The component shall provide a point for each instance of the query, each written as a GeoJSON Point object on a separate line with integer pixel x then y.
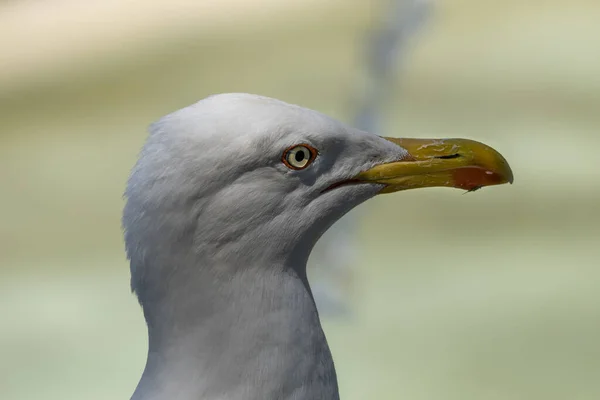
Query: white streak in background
{"type": "Point", "coordinates": [386, 49]}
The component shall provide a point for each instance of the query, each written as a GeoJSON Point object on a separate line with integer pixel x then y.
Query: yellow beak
{"type": "Point", "coordinates": [458, 163]}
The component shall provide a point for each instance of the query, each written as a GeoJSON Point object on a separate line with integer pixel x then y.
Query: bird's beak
{"type": "Point", "coordinates": [458, 163]}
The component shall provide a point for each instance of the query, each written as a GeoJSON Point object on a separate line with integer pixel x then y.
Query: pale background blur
{"type": "Point", "coordinates": [490, 295]}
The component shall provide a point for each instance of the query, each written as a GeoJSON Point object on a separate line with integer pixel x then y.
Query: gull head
{"type": "Point", "coordinates": [253, 179]}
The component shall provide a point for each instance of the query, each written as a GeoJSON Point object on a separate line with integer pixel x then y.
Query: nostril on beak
{"type": "Point", "coordinates": [448, 157]}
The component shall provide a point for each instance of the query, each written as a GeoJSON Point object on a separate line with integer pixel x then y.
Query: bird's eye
{"type": "Point", "coordinates": [299, 156]}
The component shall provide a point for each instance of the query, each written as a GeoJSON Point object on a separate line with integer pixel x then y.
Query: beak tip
{"type": "Point", "coordinates": [508, 171]}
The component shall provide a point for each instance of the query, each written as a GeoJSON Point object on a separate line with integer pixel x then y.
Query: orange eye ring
{"type": "Point", "coordinates": [299, 156]}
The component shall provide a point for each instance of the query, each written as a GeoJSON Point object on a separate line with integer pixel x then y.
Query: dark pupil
{"type": "Point", "coordinates": [299, 156]}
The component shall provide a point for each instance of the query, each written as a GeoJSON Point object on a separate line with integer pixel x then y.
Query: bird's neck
{"type": "Point", "coordinates": [251, 334]}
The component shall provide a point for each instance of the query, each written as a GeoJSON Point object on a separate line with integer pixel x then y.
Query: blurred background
{"type": "Point", "coordinates": [490, 295]}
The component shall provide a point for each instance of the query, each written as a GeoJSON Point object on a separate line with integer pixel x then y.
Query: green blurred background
{"type": "Point", "coordinates": [490, 295]}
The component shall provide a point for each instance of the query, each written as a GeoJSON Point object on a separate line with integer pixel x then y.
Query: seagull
{"type": "Point", "coordinates": [226, 201]}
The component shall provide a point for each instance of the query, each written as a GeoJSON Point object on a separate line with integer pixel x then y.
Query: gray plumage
{"type": "Point", "coordinates": [218, 231]}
